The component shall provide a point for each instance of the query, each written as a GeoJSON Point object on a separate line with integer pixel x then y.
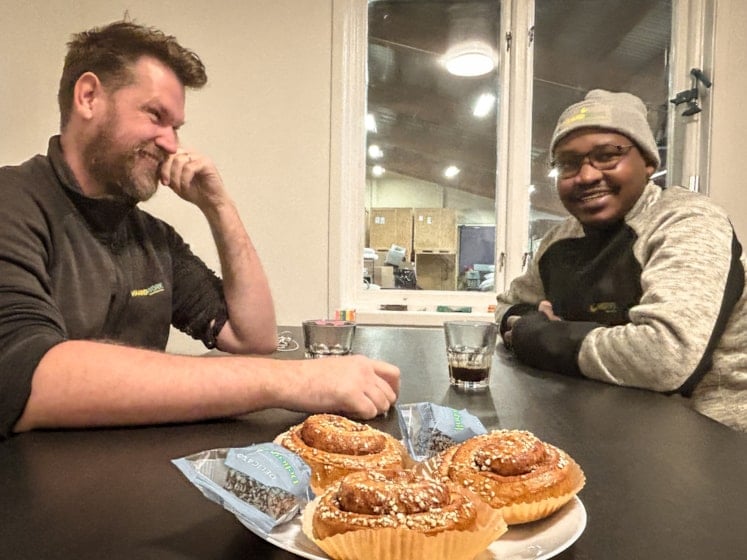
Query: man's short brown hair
{"type": "Point", "coordinates": [111, 51]}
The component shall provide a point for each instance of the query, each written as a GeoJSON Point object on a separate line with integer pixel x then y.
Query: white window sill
{"type": "Point", "coordinates": [421, 307]}
{"type": "Point", "coordinates": [417, 318]}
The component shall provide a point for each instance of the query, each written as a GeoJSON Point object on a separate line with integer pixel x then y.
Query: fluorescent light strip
{"type": "Point", "coordinates": [483, 105]}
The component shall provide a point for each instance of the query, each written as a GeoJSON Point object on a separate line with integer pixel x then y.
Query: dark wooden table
{"type": "Point", "coordinates": [663, 482]}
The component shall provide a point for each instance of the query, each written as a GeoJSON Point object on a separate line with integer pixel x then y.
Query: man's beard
{"type": "Point", "coordinates": [122, 172]}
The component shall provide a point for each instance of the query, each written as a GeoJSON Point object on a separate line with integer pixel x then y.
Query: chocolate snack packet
{"type": "Point", "coordinates": [428, 428]}
{"type": "Point", "coordinates": [263, 485]}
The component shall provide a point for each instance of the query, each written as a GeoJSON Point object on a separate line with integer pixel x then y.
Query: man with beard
{"type": "Point", "coordinates": [90, 284]}
{"type": "Point", "coordinates": [641, 286]}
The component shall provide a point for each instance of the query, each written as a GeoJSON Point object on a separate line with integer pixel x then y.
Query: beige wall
{"type": "Point", "coordinates": [727, 183]}
{"type": "Point", "coordinates": [265, 118]}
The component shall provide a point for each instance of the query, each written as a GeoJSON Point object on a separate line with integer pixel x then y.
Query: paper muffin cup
{"type": "Point", "coordinates": [404, 544]}
{"type": "Point", "coordinates": [526, 512]}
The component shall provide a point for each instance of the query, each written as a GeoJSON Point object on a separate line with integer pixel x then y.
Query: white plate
{"type": "Point", "coordinates": [536, 541]}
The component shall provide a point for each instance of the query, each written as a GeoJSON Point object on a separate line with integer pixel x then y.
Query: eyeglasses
{"type": "Point", "coordinates": [603, 157]}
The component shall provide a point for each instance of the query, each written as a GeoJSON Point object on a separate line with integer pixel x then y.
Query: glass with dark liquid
{"type": "Point", "coordinates": [469, 351]}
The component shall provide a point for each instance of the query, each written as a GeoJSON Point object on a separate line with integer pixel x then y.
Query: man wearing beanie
{"type": "Point", "coordinates": [641, 286]}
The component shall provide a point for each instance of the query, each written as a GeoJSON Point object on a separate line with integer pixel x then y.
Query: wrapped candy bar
{"type": "Point", "coordinates": [262, 485]}
{"type": "Point", "coordinates": [428, 428]}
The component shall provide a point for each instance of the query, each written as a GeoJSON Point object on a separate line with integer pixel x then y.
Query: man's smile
{"type": "Point", "coordinates": [592, 195]}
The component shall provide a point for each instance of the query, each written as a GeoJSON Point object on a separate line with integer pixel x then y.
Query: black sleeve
{"type": "Point", "coordinates": [199, 307]}
{"type": "Point", "coordinates": [30, 321]}
{"type": "Point", "coordinates": [518, 309]}
{"type": "Point", "coordinates": [549, 345]}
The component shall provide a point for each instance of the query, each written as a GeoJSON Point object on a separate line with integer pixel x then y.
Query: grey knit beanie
{"type": "Point", "coordinates": [623, 113]}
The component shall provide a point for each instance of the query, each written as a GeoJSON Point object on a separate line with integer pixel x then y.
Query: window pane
{"type": "Point", "coordinates": [431, 145]}
{"type": "Point", "coordinates": [582, 45]}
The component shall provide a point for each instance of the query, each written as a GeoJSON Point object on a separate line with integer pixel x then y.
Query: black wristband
{"type": "Point", "coordinates": [549, 345]}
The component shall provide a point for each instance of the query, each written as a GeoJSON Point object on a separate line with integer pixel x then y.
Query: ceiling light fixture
{"type": "Point", "coordinates": [374, 152]}
{"type": "Point", "coordinates": [467, 60]}
{"type": "Point", "coordinates": [471, 39]}
{"type": "Point", "coordinates": [451, 171]}
{"type": "Point", "coordinates": [377, 170]}
{"type": "Point", "coordinates": [370, 122]}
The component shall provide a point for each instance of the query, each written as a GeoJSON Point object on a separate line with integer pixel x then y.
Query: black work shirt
{"type": "Point", "coordinates": [73, 267]}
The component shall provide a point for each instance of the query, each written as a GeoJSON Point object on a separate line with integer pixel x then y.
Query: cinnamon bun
{"type": "Point", "coordinates": [334, 446]}
{"type": "Point", "coordinates": [397, 514]}
{"type": "Point", "coordinates": [514, 471]}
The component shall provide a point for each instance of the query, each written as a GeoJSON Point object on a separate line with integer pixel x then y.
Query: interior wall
{"type": "Point", "coordinates": [404, 192]}
{"type": "Point", "coordinates": [727, 178]}
{"type": "Point", "coordinates": [264, 117]}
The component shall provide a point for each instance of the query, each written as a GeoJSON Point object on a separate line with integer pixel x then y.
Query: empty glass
{"type": "Point", "coordinates": [326, 337]}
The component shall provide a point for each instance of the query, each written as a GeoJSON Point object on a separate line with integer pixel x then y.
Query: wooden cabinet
{"type": "Point", "coordinates": [435, 229]}
{"type": "Point", "coordinates": [434, 241]}
{"type": "Point", "coordinates": [430, 234]}
{"type": "Point", "coordinates": [436, 270]}
{"type": "Point", "coordinates": [390, 226]}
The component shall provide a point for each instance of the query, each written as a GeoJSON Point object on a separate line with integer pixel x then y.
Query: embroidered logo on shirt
{"type": "Point", "coordinates": [603, 307]}
{"type": "Point", "coordinates": [149, 291]}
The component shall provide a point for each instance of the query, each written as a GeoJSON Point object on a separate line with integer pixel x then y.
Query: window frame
{"type": "Point", "coordinates": [348, 157]}
{"type": "Point", "coordinates": [690, 137]}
